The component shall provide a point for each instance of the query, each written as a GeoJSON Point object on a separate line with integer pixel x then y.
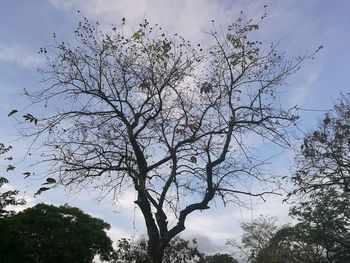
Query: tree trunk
{"type": "Point", "coordinates": [155, 258]}
{"type": "Point", "coordinates": [155, 252]}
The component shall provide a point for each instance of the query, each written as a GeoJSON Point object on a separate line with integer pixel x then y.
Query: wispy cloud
{"type": "Point", "coordinates": [116, 233]}
{"type": "Point", "coordinates": [187, 17]}
{"type": "Point", "coordinates": [7, 88]}
{"type": "Point", "coordinates": [20, 55]}
{"type": "Point", "coordinates": [214, 224]}
{"type": "Point", "coordinates": [205, 244]}
{"type": "Point", "coordinates": [301, 93]}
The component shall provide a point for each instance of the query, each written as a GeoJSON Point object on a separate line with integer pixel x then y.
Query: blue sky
{"type": "Point", "coordinates": [300, 26]}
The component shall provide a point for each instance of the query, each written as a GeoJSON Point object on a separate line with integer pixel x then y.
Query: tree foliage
{"type": "Point", "coordinates": [321, 235]}
{"type": "Point", "coordinates": [219, 258]}
{"type": "Point", "coordinates": [324, 221]}
{"type": "Point", "coordinates": [46, 233]}
{"type": "Point", "coordinates": [263, 241]}
{"type": "Point", "coordinates": [255, 237]}
{"type": "Point", "coordinates": [290, 244]}
{"type": "Point", "coordinates": [8, 197]}
{"type": "Point", "coordinates": [161, 115]}
{"type": "Point", "coordinates": [178, 251]}
{"type": "Point", "coordinates": [323, 177]}
{"type": "Point", "coordinates": [324, 161]}
{"type": "Point", "coordinates": [131, 251]}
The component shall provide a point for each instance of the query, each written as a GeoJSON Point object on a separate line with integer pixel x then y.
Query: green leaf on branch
{"type": "Point", "coordinates": [166, 48]}
{"type": "Point", "coordinates": [138, 34]}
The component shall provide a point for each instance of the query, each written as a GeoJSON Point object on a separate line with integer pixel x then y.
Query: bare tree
{"type": "Point", "coordinates": [165, 117]}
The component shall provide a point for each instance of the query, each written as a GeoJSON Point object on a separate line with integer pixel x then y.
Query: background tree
{"type": "Point", "coordinates": [219, 258]}
{"type": "Point", "coordinates": [170, 119]}
{"type": "Point", "coordinates": [178, 251]}
{"type": "Point", "coordinates": [291, 244]}
{"type": "Point", "coordinates": [182, 251]}
{"type": "Point", "coordinates": [131, 251]}
{"type": "Point", "coordinates": [323, 178]}
{"type": "Point", "coordinates": [324, 221]}
{"type": "Point", "coordinates": [256, 235]}
{"type": "Point", "coordinates": [323, 161]}
{"type": "Point", "coordinates": [46, 233]}
{"type": "Point", "coordinates": [263, 241]}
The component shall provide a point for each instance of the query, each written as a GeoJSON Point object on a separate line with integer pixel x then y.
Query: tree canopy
{"type": "Point", "coordinates": [323, 161]}
{"type": "Point", "coordinates": [324, 222]}
{"type": "Point", "coordinates": [264, 241]}
{"type": "Point", "coordinates": [322, 179]}
{"type": "Point", "coordinates": [256, 236]}
{"type": "Point", "coordinates": [45, 233]}
{"type": "Point", "coordinates": [291, 244]}
{"type": "Point", "coordinates": [322, 210]}
{"type": "Point", "coordinates": [162, 115]}
{"type": "Point", "coordinates": [219, 258]}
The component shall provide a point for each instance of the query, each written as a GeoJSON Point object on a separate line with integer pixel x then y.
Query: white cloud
{"type": "Point", "coordinates": [64, 4]}
{"type": "Point", "coordinates": [223, 223]}
{"type": "Point", "coordinates": [187, 17]}
{"type": "Point", "coordinates": [126, 200]}
{"type": "Point", "coordinates": [19, 55]}
{"type": "Point", "coordinates": [214, 223]}
{"type": "Point", "coordinates": [116, 233]}
{"type": "Point", "coordinates": [205, 244]}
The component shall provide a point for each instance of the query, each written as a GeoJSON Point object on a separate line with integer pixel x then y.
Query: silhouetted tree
{"type": "Point", "coordinates": [170, 119]}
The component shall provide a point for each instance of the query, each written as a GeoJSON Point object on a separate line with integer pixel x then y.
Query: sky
{"type": "Point", "coordinates": [299, 26]}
